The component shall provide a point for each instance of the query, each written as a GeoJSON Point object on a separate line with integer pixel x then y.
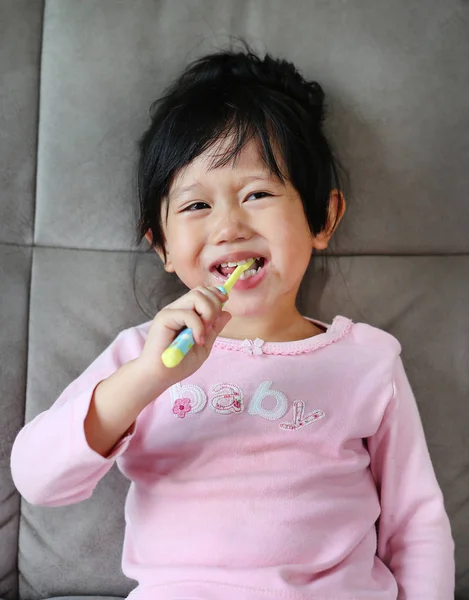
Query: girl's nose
{"type": "Point", "coordinates": [231, 226]}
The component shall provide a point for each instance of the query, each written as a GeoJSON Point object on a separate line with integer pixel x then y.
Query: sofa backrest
{"type": "Point", "coordinates": [76, 83]}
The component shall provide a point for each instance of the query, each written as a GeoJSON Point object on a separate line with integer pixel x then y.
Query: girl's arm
{"type": "Point", "coordinates": [414, 535]}
{"type": "Point", "coordinates": [116, 403]}
{"type": "Point", "coordinates": [59, 457]}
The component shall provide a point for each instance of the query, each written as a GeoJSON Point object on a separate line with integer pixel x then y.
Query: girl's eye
{"type": "Point", "coordinates": [261, 194]}
{"type": "Point", "coordinates": [196, 206]}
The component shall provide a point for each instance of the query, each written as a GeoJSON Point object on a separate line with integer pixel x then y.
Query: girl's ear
{"type": "Point", "coordinates": [149, 238]}
{"type": "Point", "coordinates": [336, 212]}
{"type": "Point", "coordinates": [168, 265]}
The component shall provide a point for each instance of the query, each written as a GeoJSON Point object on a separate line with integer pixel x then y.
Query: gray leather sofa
{"type": "Point", "coordinates": [77, 78]}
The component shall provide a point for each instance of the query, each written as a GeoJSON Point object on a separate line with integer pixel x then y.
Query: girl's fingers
{"type": "Point", "coordinates": [218, 327]}
{"type": "Point", "coordinates": [218, 299]}
{"type": "Point", "coordinates": [177, 319]}
{"type": "Point", "coordinates": [214, 293]}
{"type": "Point", "coordinates": [206, 307]}
{"type": "Point", "coordinates": [205, 302]}
{"type": "Point", "coordinates": [187, 301]}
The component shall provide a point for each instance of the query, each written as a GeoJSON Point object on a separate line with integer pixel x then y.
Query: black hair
{"type": "Point", "coordinates": [237, 94]}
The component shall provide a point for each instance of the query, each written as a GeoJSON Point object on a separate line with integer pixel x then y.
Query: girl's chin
{"type": "Point", "coordinates": [245, 310]}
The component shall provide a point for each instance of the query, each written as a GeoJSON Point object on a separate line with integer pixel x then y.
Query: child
{"type": "Point", "coordinates": [283, 458]}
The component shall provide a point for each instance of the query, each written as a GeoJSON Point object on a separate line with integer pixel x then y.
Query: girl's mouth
{"type": "Point", "coordinates": [248, 279]}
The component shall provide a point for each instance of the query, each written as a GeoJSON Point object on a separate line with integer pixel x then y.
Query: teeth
{"type": "Point", "coordinates": [248, 273]}
{"type": "Point", "coordinates": [235, 264]}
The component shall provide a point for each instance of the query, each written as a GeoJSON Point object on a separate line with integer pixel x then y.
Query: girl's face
{"type": "Point", "coordinates": [232, 213]}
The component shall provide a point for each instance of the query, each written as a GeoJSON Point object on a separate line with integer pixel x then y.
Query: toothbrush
{"type": "Point", "coordinates": [181, 345]}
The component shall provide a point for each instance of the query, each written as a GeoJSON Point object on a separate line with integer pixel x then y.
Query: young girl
{"type": "Point", "coordinates": [284, 457]}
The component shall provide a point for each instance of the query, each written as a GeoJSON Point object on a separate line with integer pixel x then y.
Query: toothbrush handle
{"type": "Point", "coordinates": [178, 348]}
{"type": "Point", "coordinates": [181, 345]}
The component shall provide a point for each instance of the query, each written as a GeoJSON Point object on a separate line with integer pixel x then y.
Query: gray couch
{"type": "Point", "coordinates": [76, 81]}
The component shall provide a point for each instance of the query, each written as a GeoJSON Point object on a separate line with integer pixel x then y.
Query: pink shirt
{"type": "Point", "coordinates": [293, 470]}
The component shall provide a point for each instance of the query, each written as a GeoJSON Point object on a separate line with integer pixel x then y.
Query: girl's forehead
{"type": "Point", "coordinates": [248, 161]}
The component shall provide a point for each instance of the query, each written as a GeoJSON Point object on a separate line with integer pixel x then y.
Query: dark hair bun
{"type": "Point", "coordinates": [276, 74]}
{"type": "Point", "coordinates": [283, 75]}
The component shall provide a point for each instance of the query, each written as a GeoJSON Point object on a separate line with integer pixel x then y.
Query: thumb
{"type": "Point", "coordinates": [219, 325]}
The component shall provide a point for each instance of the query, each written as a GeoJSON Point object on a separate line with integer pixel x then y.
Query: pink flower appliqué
{"type": "Point", "coordinates": [252, 347]}
{"type": "Point", "coordinates": [181, 407]}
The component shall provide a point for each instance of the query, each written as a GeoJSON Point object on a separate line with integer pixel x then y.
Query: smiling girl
{"type": "Point", "coordinates": [284, 457]}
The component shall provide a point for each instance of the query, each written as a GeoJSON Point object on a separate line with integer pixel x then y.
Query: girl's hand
{"type": "Point", "coordinates": [201, 310]}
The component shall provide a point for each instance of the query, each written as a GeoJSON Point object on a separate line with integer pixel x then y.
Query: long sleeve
{"type": "Point", "coordinates": [414, 536]}
{"type": "Point", "coordinates": [51, 461]}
